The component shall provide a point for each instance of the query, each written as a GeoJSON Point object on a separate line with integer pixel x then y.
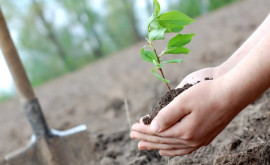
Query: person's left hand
{"type": "Point", "coordinates": [199, 76]}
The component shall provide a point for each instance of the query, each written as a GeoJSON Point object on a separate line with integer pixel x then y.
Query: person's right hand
{"type": "Point", "coordinates": [193, 119]}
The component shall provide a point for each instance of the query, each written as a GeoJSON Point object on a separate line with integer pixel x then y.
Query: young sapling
{"type": "Point", "coordinates": [159, 24]}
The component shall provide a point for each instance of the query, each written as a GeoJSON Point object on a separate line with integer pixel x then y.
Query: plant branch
{"type": "Point", "coordinates": [160, 69]}
{"type": "Point", "coordinates": [157, 55]}
{"type": "Point", "coordinates": [169, 88]}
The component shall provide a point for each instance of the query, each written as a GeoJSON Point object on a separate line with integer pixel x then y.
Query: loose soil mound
{"type": "Point", "coordinates": [164, 101]}
{"type": "Point", "coordinates": [245, 141]}
{"type": "Point", "coordinates": [95, 96]}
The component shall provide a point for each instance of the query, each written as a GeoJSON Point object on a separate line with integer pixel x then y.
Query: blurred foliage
{"type": "Point", "coordinates": [192, 8]}
{"type": "Point", "coordinates": [195, 8]}
{"type": "Point", "coordinates": [118, 23]}
{"type": "Point", "coordinates": [5, 95]}
{"type": "Point", "coordinates": [215, 4]}
{"type": "Point", "coordinates": [56, 37]}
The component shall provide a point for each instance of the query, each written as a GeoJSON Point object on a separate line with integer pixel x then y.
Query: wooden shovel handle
{"type": "Point", "coordinates": [22, 83]}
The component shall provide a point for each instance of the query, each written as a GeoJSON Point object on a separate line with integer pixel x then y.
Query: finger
{"type": "Point", "coordinates": [174, 131]}
{"type": "Point", "coordinates": [169, 115]}
{"type": "Point", "coordinates": [157, 146]}
{"type": "Point", "coordinates": [193, 78]}
{"type": "Point", "coordinates": [140, 122]}
{"type": "Point", "coordinates": [156, 139]}
{"type": "Point", "coordinates": [178, 152]}
{"type": "Point", "coordinates": [142, 128]}
{"type": "Point", "coordinates": [180, 129]}
{"type": "Point", "coordinates": [177, 131]}
{"type": "Point", "coordinates": [141, 119]}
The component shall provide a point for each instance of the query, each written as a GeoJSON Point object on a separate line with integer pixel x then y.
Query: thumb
{"type": "Point", "coordinates": [168, 116]}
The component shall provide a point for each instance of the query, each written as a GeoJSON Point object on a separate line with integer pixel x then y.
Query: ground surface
{"type": "Point", "coordinates": [94, 96]}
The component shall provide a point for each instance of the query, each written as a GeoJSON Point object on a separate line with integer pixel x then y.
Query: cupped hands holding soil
{"type": "Point", "coordinates": [165, 100]}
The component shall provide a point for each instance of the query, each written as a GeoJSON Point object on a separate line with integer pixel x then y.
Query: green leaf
{"type": "Point", "coordinates": [180, 40]}
{"type": "Point", "coordinates": [175, 17]}
{"type": "Point", "coordinates": [172, 28]}
{"type": "Point", "coordinates": [177, 50]}
{"type": "Point", "coordinates": [156, 8]}
{"type": "Point", "coordinates": [159, 77]}
{"type": "Point", "coordinates": [153, 22]}
{"type": "Point", "coordinates": [157, 34]}
{"type": "Point", "coordinates": [173, 61]}
{"type": "Point", "coordinates": [148, 55]}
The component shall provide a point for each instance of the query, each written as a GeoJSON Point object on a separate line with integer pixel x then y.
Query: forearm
{"type": "Point", "coordinates": [246, 47]}
{"type": "Point", "coordinates": [250, 77]}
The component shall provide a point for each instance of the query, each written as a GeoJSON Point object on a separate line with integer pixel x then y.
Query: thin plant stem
{"type": "Point", "coordinates": [160, 69]}
{"type": "Point", "coordinates": [169, 88]}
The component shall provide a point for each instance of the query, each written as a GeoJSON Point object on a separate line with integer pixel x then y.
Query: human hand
{"type": "Point", "coordinates": [204, 111]}
{"type": "Point", "coordinates": [226, 66]}
{"type": "Point", "coordinates": [199, 76]}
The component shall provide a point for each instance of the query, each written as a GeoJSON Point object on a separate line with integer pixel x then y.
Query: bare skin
{"type": "Point", "coordinates": [246, 47]}
{"type": "Point", "coordinates": [207, 108]}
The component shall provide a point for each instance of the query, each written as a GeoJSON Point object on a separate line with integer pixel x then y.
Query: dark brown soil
{"type": "Point", "coordinates": [163, 101]}
{"type": "Point", "coordinates": [259, 155]}
{"type": "Point", "coordinates": [245, 141]}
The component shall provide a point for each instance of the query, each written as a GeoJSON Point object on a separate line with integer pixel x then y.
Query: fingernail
{"type": "Point", "coordinates": [154, 126]}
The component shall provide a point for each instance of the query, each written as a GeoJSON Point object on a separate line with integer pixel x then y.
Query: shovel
{"type": "Point", "coordinates": [47, 146]}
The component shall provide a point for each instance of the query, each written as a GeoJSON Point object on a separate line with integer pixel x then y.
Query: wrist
{"type": "Point", "coordinates": [231, 95]}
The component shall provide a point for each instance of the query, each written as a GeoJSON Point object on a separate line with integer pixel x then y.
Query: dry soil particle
{"type": "Point", "coordinates": [253, 156]}
{"type": "Point", "coordinates": [118, 149]}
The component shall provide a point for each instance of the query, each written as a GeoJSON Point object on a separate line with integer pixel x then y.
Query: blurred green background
{"type": "Point", "coordinates": [55, 37]}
